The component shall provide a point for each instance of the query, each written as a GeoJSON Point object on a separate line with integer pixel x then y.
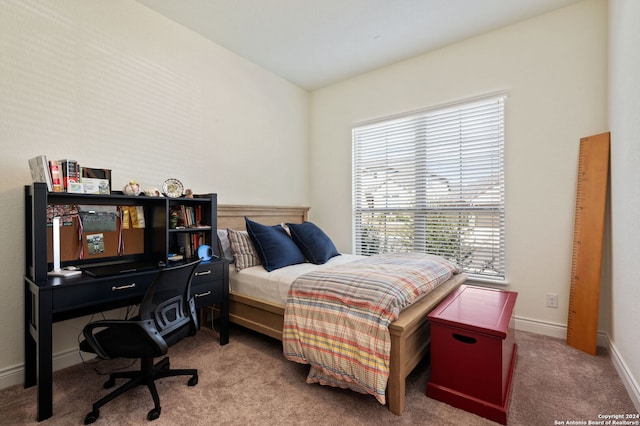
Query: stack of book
{"type": "Point", "coordinates": [188, 243]}
{"type": "Point", "coordinates": [188, 216]}
{"type": "Point", "coordinates": [67, 176]}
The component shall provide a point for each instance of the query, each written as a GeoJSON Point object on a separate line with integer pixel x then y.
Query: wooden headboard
{"type": "Point", "coordinates": [232, 216]}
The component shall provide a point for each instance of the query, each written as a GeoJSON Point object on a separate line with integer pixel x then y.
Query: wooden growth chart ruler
{"type": "Point", "coordinates": [588, 234]}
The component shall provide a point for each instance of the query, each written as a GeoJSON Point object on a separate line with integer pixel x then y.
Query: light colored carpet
{"type": "Point", "coordinates": [248, 382]}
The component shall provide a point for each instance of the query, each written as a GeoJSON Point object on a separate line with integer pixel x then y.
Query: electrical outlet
{"type": "Point", "coordinates": [552, 300]}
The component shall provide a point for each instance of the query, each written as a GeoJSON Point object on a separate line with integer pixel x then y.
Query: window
{"type": "Point", "coordinates": [433, 182]}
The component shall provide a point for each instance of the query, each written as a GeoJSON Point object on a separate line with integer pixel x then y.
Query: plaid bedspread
{"type": "Point", "coordinates": [336, 319]}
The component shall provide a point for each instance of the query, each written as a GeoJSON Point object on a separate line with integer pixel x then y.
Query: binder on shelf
{"type": "Point", "coordinates": [56, 176]}
{"type": "Point", "coordinates": [39, 167]}
{"type": "Point", "coordinates": [70, 172]}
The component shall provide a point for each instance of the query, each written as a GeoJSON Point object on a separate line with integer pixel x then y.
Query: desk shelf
{"type": "Point", "coordinates": [51, 299]}
{"type": "Point", "coordinates": [150, 244]}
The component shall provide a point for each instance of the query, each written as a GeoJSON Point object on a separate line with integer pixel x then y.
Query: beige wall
{"type": "Point", "coordinates": [624, 113]}
{"type": "Point", "coordinates": [113, 84]}
{"type": "Point", "coordinates": [554, 69]}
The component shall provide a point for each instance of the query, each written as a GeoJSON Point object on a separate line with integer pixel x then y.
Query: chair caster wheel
{"type": "Point", "coordinates": [153, 414]}
{"type": "Point", "coordinates": [91, 417]}
{"type": "Point", "coordinates": [193, 380]}
{"type": "Point", "coordinates": [109, 384]}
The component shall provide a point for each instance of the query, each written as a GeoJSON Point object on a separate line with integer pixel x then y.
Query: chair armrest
{"type": "Point", "coordinates": [194, 315]}
{"type": "Point", "coordinates": [144, 328]}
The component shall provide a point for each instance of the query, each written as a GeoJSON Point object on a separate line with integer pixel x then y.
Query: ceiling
{"type": "Point", "coordinates": [313, 43]}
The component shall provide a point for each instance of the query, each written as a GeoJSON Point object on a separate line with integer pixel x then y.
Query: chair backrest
{"type": "Point", "coordinates": [168, 302]}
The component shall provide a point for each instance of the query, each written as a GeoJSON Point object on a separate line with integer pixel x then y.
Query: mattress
{"type": "Point", "coordinates": [274, 286]}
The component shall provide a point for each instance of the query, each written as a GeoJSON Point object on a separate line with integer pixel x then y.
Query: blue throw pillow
{"type": "Point", "coordinates": [316, 246]}
{"type": "Point", "coordinates": [274, 247]}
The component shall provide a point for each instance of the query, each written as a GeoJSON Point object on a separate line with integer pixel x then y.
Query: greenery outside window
{"type": "Point", "coordinates": [433, 182]}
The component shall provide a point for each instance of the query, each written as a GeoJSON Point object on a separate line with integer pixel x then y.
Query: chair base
{"type": "Point", "coordinates": [147, 375]}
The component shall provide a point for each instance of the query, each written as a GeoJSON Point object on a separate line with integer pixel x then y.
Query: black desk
{"type": "Point", "coordinates": [65, 298]}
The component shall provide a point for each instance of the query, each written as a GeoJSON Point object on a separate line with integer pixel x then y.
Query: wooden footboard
{"type": "Point", "coordinates": [410, 340]}
{"type": "Point", "coordinates": [409, 333]}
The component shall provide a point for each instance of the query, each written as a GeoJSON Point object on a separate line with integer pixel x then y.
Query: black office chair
{"type": "Point", "coordinates": [167, 315]}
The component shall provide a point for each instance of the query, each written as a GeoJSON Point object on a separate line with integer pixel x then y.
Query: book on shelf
{"type": "Point", "coordinates": [184, 243]}
{"type": "Point", "coordinates": [70, 172]}
{"type": "Point", "coordinates": [198, 214]}
{"type": "Point", "coordinates": [188, 243]}
{"type": "Point", "coordinates": [190, 217]}
{"type": "Point", "coordinates": [39, 167]}
{"type": "Point", "coordinates": [56, 176]}
{"type": "Point", "coordinates": [196, 241]}
{"type": "Point", "coordinates": [183, 216]}
{"type": "Point", "coordinates": [186, 217]}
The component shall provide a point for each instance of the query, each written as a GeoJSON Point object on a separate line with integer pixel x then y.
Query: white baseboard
{"type": "Point", "coordinates": [541, 327]}
{"type": "Point", "coordinates": [626, 376]}
{"type": "Point", "coordinates": [553, 329]}
{"type": "Point", "coordinates": [11, 376]}
{"type": "Point", "coordinates": [15, 375]}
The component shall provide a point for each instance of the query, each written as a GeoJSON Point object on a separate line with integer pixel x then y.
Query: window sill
{"type": "Point", "coordinates": [484, 281]}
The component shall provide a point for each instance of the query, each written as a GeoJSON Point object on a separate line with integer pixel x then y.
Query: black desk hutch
{"type": "Point", "coordinates": [51, 299]}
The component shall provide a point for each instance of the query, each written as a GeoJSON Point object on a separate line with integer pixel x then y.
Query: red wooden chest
{"type": "Point", "coordinates": [473, 351]}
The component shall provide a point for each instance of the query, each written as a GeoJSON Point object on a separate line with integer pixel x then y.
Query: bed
{"type": "Point", "coordinates": [409, 333]}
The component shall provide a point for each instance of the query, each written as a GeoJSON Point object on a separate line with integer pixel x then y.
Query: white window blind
{"type": "Point", "coordinates": [433, 182]}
